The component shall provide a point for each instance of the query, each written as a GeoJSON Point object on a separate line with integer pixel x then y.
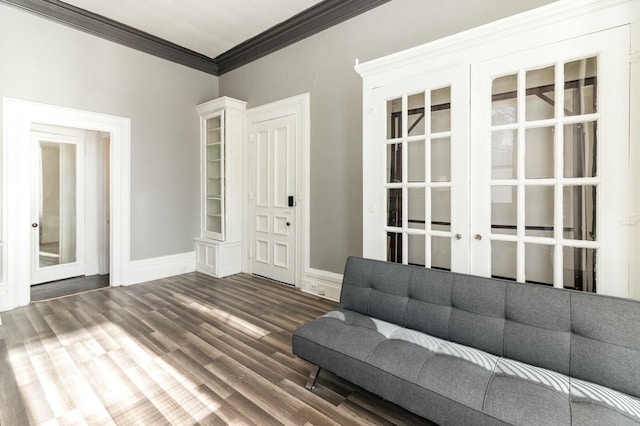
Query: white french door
{"type": "Point", "coordinates": [273, 190]}
{"type": "Point", "coordinates": [515, 167]}
{"type": "Point", "coordinates": [550, 171]}
{"type": "Point", "coordinates": [421, 144]}
{"type": "Point", "coordinates": [57, 208]}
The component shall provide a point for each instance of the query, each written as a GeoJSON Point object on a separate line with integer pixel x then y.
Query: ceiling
{"type": "Point", "coordinates": [214, 36]}
{"type": "Point", "coordinates": [209, 27]}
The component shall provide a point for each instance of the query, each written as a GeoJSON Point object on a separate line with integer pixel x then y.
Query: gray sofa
{"type": "Point", "coordinates": [460, 349]}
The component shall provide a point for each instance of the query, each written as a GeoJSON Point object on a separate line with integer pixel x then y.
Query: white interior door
{"type": "Point", "coordinates": [57, 207]}
{"type": "Point", "coordinates": [416, 179]}
{"type": "Point", "coordinates": [273, 190]}
{"type": "Point", "coordinates": [550, 171]}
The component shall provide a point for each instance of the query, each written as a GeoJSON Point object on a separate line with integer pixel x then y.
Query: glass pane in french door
{"type": "Point", "coordinates": [418, 159]}
{"type": "Point", "coordinates": [544, 174]}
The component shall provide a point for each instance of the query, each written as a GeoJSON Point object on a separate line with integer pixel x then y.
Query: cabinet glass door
{"type": "Point", "coordinates": [214, 177]}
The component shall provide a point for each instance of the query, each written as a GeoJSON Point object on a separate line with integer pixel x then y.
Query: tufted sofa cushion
{"type": "Point", "coordinates": [587, 336]}
{"type": "Point", "coordinates": [372, 353]}
{"type": "Point", "coordinates": [460, 349]}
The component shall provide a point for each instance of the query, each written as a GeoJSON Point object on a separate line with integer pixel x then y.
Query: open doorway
{"type": "Point", "coordinates": [18, 118]}
{"type": "Point", "coordinates": [70, 211]}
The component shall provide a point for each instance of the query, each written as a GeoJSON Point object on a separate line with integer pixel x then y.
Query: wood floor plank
{"type": "Point", "coordinates": [12, 407]}
{"type": "Point", "coordinates": [185, 350]}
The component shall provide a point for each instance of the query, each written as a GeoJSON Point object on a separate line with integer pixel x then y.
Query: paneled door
{"type": "Point", "coordinates": [272, 197]}
{"type": "Point", "coordinates": [550, 171]}
{"type": "Point", "coordinates": [57, 225]}
{"type": "Point", "coordinates": [421, 202]}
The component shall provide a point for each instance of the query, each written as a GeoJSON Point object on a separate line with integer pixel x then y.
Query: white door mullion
{"type": "Point", "coordinates": [520, 200]}
{"type": "Point", "coordinates": [558, 263]}
{"type": "Point", "coordinates": [404, 209]}
{"type": "Point", "coordinates": [428, 188]}
{"type": "Point", "coordinates": [405, 218]}
{"type": "Point", "coordinates": [427, 224]}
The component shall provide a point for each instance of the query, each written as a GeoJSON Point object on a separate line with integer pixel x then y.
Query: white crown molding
{"type": "Point", "coordinates": [221, 103]}
{"type": "Point", "coordinates": [510, 31]}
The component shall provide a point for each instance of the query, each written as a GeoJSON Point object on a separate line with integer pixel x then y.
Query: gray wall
{"type": "Point", "coordinates": [323, 66]}
{"type": "Point", "coordinates": [46, 62]}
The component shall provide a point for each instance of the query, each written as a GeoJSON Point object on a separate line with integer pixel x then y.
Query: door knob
{"type": "Point", "coordinates": [288, 223]}
{"type": "Point", "coordinates": [458, 236]}
{"type": "Point", "coordinates": [478, 237]}
{"type": "Point", "coordinates": [34, 225]}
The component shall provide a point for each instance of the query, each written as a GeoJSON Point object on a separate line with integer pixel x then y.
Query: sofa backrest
{"type": "Point", "coordinates": [587, 336]}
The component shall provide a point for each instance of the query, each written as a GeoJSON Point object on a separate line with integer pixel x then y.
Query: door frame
{"type": "Point", "coordinates": [18, 117]}
{"type": "Point", "coordinates": [298, 106]}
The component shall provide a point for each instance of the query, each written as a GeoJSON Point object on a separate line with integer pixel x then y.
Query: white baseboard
{"type": "Point", "coordinates": [144, 270]}
{"type": "Point", "coordinates": [322, 283]}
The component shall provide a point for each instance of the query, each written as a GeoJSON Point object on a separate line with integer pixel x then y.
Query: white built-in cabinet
{"type": "Point", "coordinates": [505, 156]}
{"type": "Point", "coordinates": [219, 246]}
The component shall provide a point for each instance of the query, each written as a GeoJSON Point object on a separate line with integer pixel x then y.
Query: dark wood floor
{"type": "Point", "coordinates": [184, 350]}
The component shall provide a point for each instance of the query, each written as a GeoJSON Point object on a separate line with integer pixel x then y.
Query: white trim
{"type": "Point", "coordinates": [18, 116]}
{"type": "Point", "coordinates": [569, 18]}
{"type": "Point", "coordinates": [104, 147]}
{"type": "Point", "coordinates": [300, 107]}
{"type": "Point", "coordinates": [160, 267]}
{"type": "Point", "coordinates": [634, 159]}
{"type": "Point", "coordinates": [323, 283]}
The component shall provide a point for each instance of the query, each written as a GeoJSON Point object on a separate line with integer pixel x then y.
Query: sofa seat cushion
{"type": "Point", "coordinates": [508, 390]}
{"type": "Point", "coordinates": [527, 395]}
{"type": "Point", "coordinates": [596, 404]}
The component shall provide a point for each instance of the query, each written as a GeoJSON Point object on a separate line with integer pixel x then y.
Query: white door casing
{"type": "Point", "coordinates": [298, 106]}
{"type": "Point", "coordinates": [18, 118]}
{"type": "Point", "coordinates": [273, 195]}
{"type": "Point", "coordinates": [71, 253]}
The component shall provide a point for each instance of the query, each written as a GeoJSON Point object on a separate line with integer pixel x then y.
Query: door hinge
{"type": "Point", "coordinates": [250, 196]}
{"type": "Point", "coordinates": [634, 56]}
{"type": "Point", "coordinates": [250, 254]}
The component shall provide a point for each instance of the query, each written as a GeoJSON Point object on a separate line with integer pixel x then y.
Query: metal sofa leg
{"type": "Point", "coordinates": [313, 376]}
